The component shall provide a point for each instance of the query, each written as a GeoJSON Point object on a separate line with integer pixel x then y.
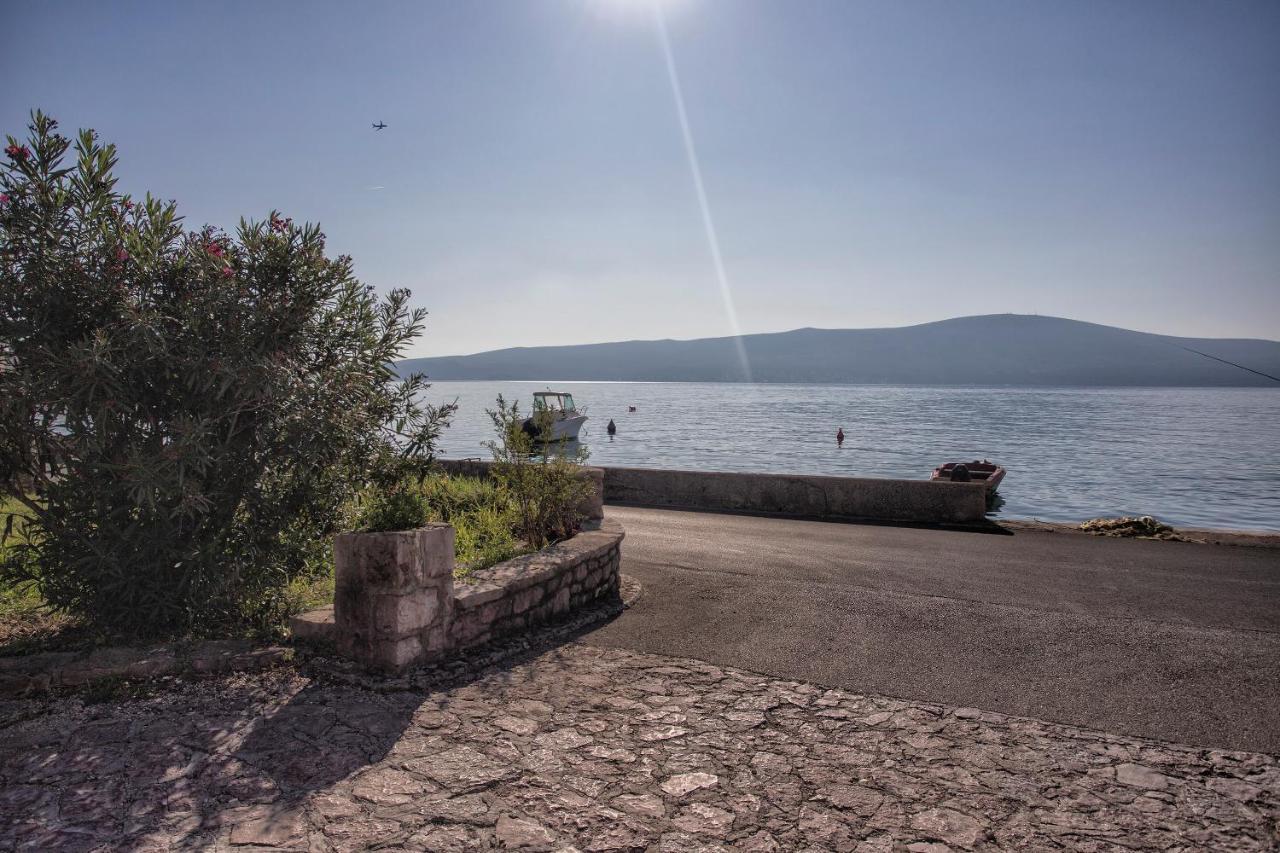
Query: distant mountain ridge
{"type": "Point", "coordinates": [993, 349]}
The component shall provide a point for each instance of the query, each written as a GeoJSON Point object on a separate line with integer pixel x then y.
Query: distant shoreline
{"type": "Point", "coordinates": [975, 386]}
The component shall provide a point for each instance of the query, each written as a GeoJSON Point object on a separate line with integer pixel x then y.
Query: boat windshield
{"type": "Point", "coordinates": [553, 402]}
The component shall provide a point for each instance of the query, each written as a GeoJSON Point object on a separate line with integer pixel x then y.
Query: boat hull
{"type": "Point", "coordinates": [987, 473]}
{"type": "Point", "coordinates": [560, 429]}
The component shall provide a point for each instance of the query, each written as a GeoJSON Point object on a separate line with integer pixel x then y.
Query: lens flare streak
{"type": "Point", "coordinates": [708, 223]}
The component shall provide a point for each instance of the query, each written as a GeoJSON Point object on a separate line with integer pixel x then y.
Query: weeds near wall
{"type": "Point", "coordinates": [543, 480]}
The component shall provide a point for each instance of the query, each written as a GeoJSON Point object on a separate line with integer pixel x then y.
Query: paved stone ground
{"type": "Point", "coordinates": [601, 749]}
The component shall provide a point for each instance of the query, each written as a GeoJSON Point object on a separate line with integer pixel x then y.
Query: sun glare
{"type": "Point", "coordinates": [631, 9]}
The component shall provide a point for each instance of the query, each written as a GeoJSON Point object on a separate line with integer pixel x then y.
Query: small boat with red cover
{"type": "Point", "coordinates": [971, 472]}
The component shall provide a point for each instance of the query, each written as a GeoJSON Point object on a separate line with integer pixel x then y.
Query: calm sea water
{"type": "Point", "coordinates": [1189, 456]}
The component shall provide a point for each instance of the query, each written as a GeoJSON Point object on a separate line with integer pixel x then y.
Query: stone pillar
{"type": "Point", "coordinates": [393, 596]}
{"type": "Point", "coordinates": [592, 507]}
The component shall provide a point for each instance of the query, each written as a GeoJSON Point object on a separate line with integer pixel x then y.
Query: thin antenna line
{"type": "Point", "coordinates": [708, 224]}
{"type": "Point", "coordinates": [1232, 363]}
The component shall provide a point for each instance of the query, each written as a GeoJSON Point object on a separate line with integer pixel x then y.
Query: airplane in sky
{"type": "Point", "coordinates": [378, 125]}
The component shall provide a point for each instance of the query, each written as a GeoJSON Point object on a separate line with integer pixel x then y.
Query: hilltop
{"type": "Point", "coordinates": [994, 349]}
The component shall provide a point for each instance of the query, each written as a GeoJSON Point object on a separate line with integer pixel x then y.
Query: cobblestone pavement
{"type": "Point", "coordinates": [594, 749]}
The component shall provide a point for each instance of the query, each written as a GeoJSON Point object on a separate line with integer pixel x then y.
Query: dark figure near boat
{"type": "Point", "coordinates": [839, 436]}
{"type": "Point", "coordinates": [631, 408]}
{"type": "Point", "coordinates": [612, 427]}
{"type": "Point", "coordinates": [984, 471]}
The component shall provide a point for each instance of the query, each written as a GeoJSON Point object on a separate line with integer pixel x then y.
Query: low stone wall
{"type": "Point", "coordinates": [532, 590]}
{"type": "Point", "coordinates": [802, 495]}
{"type": "Point", "coordinates": [396, 603]}
{"type": "Point", "coordinates": [36, 674]}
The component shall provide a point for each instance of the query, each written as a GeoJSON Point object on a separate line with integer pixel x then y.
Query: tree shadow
{"type": "Point", "coordinates": [241, 758]}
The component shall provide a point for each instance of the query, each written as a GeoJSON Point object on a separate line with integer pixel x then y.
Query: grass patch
{"type": "Point", "coordinates": [482, 514]}
{"type": "Point", "coordinates": [27, 624]}
{"type": "Point", "coordinates": [309, 593]}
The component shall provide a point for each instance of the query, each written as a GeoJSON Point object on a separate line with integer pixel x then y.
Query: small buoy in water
{"type": "Point", "coordinates": [612, 428]}
{"type": "Point", "coordinates": [631, 408]}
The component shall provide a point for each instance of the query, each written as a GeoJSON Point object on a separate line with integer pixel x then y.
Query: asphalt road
{"type": "Point", "coordinates": [1170, 640]}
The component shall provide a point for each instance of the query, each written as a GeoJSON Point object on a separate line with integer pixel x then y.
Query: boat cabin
{"type": "Point", "coordinates": [553, 401]}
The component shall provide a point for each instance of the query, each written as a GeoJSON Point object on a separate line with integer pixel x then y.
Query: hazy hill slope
{"type": "Point", "coordinates": [996, 349]}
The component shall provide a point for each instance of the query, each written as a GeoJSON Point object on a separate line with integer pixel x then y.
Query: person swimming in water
{"type": "Point", "coordinates": [839, 436]}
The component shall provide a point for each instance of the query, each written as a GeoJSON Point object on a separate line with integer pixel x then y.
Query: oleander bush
{"type": "Point", "coordinates": [185, 414]}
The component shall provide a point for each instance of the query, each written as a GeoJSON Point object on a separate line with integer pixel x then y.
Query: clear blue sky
{"type": "Point", "coordinates": [866, 164]}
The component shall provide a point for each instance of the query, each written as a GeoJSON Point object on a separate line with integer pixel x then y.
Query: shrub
{"type": "Point", "coordinates": [396, 507]}
{"type": "Point", "coordinates": [546, 486]}
{"type": "Point", "coordinates": [184, 414]}
{"type": "Point", "coordinates": [482, 515]}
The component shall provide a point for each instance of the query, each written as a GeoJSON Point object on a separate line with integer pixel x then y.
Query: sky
{"type": "Point", "coordinates": [862, 164]}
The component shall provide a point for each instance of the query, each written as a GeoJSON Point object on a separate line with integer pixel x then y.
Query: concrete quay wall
{"type": "Point", "coordinates": [795, 495]}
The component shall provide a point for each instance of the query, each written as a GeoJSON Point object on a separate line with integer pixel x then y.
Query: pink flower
{"type": "Point", "coordinates": [216, 250]}
{"type": "Point", "coordinates": [18, 152]}
{"type": "Point", "coordinates": [227, 272]}
{"type": "Point", "coordinates": [122, 255]}
{"type": "Point", "coordinates": [128, 205]}
{"type": "Point", "coordinates": [4, 198]}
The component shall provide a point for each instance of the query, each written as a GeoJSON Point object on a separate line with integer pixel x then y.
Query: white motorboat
{"type": "Point", "coordinates": [554, 418]}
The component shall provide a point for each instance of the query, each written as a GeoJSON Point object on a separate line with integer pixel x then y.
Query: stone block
{"type": "Point", "coordinates": [396, 561]}
{"type": "Point", "coordinates": [313, 626]}
{"type": "Point", "coordinates": [491, 613]}
{"type": "Point", "coordinates": [592, 507]}
{"type": "Point", "coordinates": [473, 595]}
{"type": "Point", "coordinates": [214, 656]}
{"type": "Point", "coordinates": [390, 588]}
{"type": "Point", "coordinates": [397, 616]}
{"type": "Point", "coordinates": [478, 639]}
{"type": "Point", "coordinates": [395, 655]}
{"type": "Point", "coordinates": [560, 604]}
{"type": "Point", "coordinates": [436, 641]}
{"type": "Point", "coordinates": [526, 599]}
{"type": "Point", "coordinates": [119, 662]}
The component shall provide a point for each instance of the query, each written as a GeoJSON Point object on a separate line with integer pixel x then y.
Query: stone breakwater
{"type": "Point", "coordinates": [590, 749]}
